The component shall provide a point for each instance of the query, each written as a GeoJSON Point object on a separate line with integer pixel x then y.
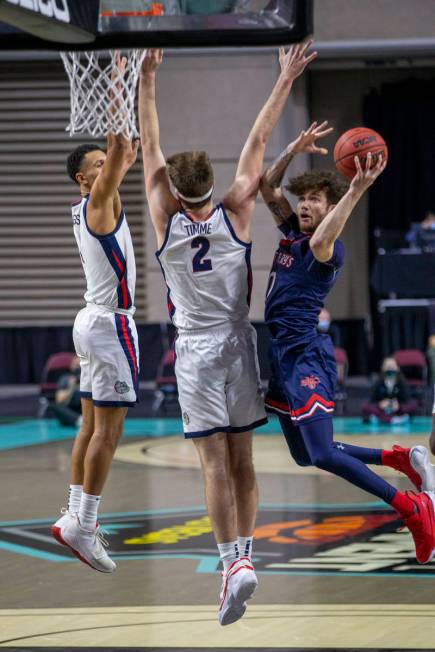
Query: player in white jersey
{"type": "Point", "coordinates": [204, 251]}
{"type": "Point", "coordinates": [105, 339]}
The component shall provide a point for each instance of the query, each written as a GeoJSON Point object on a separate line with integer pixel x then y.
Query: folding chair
{"type": "Point", "coordinates": [56, 365]}
{"type": "Point", "coordinates": [413, 365]}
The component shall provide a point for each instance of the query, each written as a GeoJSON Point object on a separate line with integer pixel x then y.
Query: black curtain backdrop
{"type": "Point", "coordinates": [403, 113]}
{"type": "Point", "coordinates": [24, 351]}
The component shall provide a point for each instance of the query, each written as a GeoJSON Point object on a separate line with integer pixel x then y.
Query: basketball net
{"type": "Point", "coordinates": [102, 97]}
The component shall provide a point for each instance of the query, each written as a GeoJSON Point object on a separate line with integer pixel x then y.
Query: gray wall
{"type": "Point", "coordinates": [373, 19]}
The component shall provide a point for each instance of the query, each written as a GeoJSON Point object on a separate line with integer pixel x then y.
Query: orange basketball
{"type": "Point", "coordinates": [358, 142]}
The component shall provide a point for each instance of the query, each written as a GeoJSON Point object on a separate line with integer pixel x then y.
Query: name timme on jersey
{"type": "Point", "coordinates": [207, 270]}
{"type": "Point", "coordinates": [108, 261]}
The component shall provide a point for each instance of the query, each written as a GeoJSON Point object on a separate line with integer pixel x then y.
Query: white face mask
{"type": "Point", "coordinates": [323, 325]}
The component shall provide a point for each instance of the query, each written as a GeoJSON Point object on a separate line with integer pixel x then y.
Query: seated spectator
{"type": "Point", "coordinates": [325, 326]}
{"type": "Point", "coordinates": [67, 407]}
{"type": "Point", "coordinates": [390, 401]}
{"type": "Point", "coordinates": [419, 235]}
{"type": "Point", "coordinates": [431, 355]}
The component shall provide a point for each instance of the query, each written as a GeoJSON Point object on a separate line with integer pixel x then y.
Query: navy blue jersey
{"type": "Point", "coordinates": [298, 285]}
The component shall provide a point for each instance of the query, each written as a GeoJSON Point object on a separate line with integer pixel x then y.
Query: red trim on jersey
{"type": "Point", "coordinates": [122, 281]}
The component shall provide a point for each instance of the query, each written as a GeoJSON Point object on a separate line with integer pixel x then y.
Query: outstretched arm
{"type": "Point", "coordinates": [270, 184]}
{"type": "Point", "coordinates": [322, 242]}
{"type": "Point", "coordinates": [241, 197]}
{"type": "Point", "coordinates": [161, 201]}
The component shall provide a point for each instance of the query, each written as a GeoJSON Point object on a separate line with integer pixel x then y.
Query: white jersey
{"type": "Point", "coordinates": [108, 262]}
{"type": "Point", "coordinates": [207, 270]}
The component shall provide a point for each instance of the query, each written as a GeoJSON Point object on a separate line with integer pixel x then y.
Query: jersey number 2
{"type": "Point", "coordinates": [198, 262]}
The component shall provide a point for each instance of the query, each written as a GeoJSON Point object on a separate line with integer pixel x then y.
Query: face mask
{"type": "Point", "coordinates": [323, 325]}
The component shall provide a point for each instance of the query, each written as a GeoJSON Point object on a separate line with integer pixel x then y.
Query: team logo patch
{"type": "Point", "coordinates": [186, 418]}
{"type": "Point", "coordinates": [121, 387]}
{"type": "Point", "coordinates": [310, 381]}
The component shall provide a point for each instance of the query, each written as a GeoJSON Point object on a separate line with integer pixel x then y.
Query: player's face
{"type": "Point", "coordinates": [312, 208]}
{"type": "Point", "coordinates": [93, 164]}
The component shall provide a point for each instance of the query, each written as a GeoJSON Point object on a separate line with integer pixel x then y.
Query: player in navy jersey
{"type": "Point", "coordinates": [301, 390]}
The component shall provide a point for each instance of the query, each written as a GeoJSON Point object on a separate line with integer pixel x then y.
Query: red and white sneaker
{"type": "Point", "coordinates": [414, 462]}
{"type": "Point", "coordinates": [64, 519]}
{"type": "Point", "coordinates": [238, 585]}
{"type": "Point", "coordinates": [421, 524]}
{"type": "Point", "coordinates": [88, 546]}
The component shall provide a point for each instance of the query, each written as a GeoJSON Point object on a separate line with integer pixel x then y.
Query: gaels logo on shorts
{"type": "Point", "coordinates": [121, 387]}
{"type": "Point", "coordinates": [310, 381]}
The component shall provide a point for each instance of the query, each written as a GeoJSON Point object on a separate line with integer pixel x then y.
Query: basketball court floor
{"type": "Point", "coordinates": [334, 571]}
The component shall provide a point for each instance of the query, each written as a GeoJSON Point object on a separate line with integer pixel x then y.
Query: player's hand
{"type": "Point", "coordinates": [152, 60]}
{"type": "Point", "coordinates": [129, 145]}
{"type": "Point", "coordinates": [131, 154]}
{"type": "Point", "coordinates": [118, 70]}
{"type": "Point", "coordinates": [364, 178]}
{"type": "Point", "coordinates": [294, 62]}
{"type": "Point", "coordinates": [305, 143]}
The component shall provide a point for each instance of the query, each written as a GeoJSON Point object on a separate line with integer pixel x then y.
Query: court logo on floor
{"type": "Point", "coordinates": [337, 540]}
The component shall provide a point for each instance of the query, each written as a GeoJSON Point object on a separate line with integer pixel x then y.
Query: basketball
{"type": "Point", "coordinates": [358, 141]}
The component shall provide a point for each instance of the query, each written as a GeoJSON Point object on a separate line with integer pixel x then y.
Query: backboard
{"type": "Point", "coordinates": [109, 24]}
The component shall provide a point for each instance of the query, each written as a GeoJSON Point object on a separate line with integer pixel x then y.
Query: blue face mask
{"type": "Point", "coordinates": [323, 325]}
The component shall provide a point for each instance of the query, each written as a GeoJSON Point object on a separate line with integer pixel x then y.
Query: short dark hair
{"type": "Point", "coordinates": [192, 175]}
{"type": "Point", "coordinates": [332, 185]}
{"type": "Point", "coordinates": [75, 159]}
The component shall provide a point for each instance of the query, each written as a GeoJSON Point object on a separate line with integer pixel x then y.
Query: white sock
{"type": "Point", "coordinates": [228, 552]}
{"type": "Point", "coordinates": [74, 497]}
{"type": "Point", "coordinates": [88, 511]}
{"type": "Point", "coordinates": [245, 546]}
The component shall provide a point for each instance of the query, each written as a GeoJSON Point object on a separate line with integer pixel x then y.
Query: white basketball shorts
{"type": "Point", "coordinates": [218, 378]}
{"type": "Point", "coordinates": [107, 345]}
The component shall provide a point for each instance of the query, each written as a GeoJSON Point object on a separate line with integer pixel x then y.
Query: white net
{"type": "Point", "coordinates": [103, 89]}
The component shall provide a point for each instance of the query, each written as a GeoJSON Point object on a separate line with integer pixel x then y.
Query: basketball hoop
{"type": "Point", "coordinates": [102, 96]}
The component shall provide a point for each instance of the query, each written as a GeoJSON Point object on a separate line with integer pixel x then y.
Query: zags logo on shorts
{"type": "Point", "coordinates": [121, 387]}
{"type": "Point", "coordinates": [50, 8]}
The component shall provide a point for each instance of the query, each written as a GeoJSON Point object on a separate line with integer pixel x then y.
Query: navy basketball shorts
{"type": "Point", "coordinates": [302, 384]}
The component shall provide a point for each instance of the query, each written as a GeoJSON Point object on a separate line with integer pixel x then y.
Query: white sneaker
{"type": "Point", "coordinates": [64, 519]}
{"type": "Point", "coordinates": [420, 462]}
{"type": "Point", "coordinates": [87, 546]}
{"type": "Point", "coordinates": [238, 585]}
